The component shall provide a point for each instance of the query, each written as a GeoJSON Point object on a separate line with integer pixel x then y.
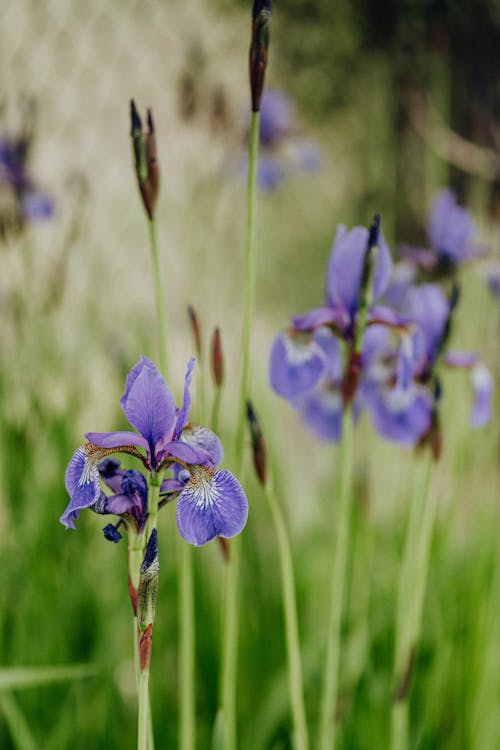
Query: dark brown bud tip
{"type": "Point", "coordinates": [258, 444]}
{"type": "Point", "coordinates": [151, 124]}
{"type": "Point", "coordinates": [217, 359]}
{"type": "Point", "coordinates": [135, 120]}
{"type": "Point", "coordinates": [259, 48]}
{"type": "Point", "coordinates": [194, 322]}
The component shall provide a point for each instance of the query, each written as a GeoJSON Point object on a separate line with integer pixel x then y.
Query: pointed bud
{"type": "Point", "coordinates": [146, 598]}
{"type": "Point", "coordinates": [258, 444]}
{"type": "Point", "coordinates": [217, 359]}
{"type": "Point", "coordinates": [196, 330]}
{"type": "Point", "coordinates": [145, 160]}
{"type": "Point", "coordinates": [225, 548]}
{"type": "Point", "coordinates": [370, 256]}
{"type": "Point", "coordinates": [259, 47]}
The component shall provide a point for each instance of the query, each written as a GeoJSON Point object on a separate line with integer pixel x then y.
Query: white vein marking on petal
{"type": "Point", "coordinates": [481, 378]}
{"type": "Point", "coordinates": [203, 488]}
{"type": "Point", "coordinates": [296, 353]}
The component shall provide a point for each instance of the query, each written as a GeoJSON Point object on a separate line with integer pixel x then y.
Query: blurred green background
{"type": "Point", "coordinates": [399, 99]}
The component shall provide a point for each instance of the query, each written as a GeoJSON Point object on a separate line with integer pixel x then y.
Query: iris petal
{"type": "Point", "coordinates": [148, 403]}
{"type": "Point", "coordinates": [182, 415]}
{"type": "Point", "coordinates": [295, 366]}
{"type": "Point", "coordinates": [482, 382]}
{"type": "Point", "coordinates": [211, 504]}
{"type": "Point", "coordinates": [201, 437]}
{"type": "Point", "coordinates": [82, 484]}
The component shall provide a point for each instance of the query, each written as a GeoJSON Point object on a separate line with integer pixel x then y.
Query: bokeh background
{"type": "Point", "coordinates": [389, 102]}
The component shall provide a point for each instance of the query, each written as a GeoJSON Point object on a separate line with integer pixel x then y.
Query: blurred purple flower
{"type": "Point", "coordinates": [451, 231]}
{"type": "Point", "coordinates": [276, 117]}
{"type": "Point", "coordinates": [211, 501]}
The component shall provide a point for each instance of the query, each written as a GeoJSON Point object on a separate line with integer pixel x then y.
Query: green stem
{"type": "Point", "coordinates": [143, 726]}
{"type": "Point", "coordinates": [295, 682]}
{"type": "Point", "coordinates": [231, 613]}
{"type": "Point", "coordinates": [159, 299]}
{"type": "Point", "coordinates": [214, 422]}
{"type": "Point", "coordinates": [331, 673]}
{"type": "Point", "coordinates": [187, 718]}
{"type": "Point", "coordinates": [411, 594]}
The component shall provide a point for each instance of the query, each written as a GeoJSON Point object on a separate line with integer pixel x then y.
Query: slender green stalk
{"type": "Point", "coordinates": [187, 716]}
{"type": "Point", "coordinates": [214, 421]}
{"type": "Point", "coordinates": [143, 727]}
{"type": "Point", "coordinates": [295, 682]}
{"type": "Point", "coordinates": [159, 299]}
{"type": "Point", "coordinates": [332, 662]}
{"type": "Point", "coordinates": [411, 595]}
{"type": "Point", "coordinates": [231, 613]}
{"type": "Point", "coordinates": [19, 729]}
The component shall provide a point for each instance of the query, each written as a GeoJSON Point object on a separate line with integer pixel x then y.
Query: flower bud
{"type": "Point", "coordinates": [259, 46]}
{"type": "Point", "coordinates": [217, 359]}
{"type": "Point", "coordinates": [145, 159]}
{"type": "Point", "coordinates": [258, 444]}
{"type": "Point", "coordinates": [196, 330]}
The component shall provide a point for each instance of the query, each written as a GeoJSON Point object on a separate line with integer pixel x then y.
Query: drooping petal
{"type": "Point", "coordinates": [116, 439]}
{"type": "Point", "coordinates": [190, 454]}
{"type": "Point", "coordinates": [322, 316]}
{"type": "Point", "coordinates": [329, 345]}
{"type": "Point", "coordinates": [401, 416]}
{"type": "Point", "coordinates": [82, 484]}
{"type": "Point", "coordinates": [451, 228]}
{"type": "Point", "coordinates": [148, 403]}
{"type": "Point", "coordinates": [115, 504]}
{"type": "Point", "coordinates": [182, 416]}
{"type": "Point", "coordinates": [455, 358]}
{"type": "Point", "coordinates": [296, 365]}
{"type": "Point", "coordinates": [211, 504]}
{"type": "Point", "coordinates": [201, 437]}
{"type": "Point", "coordinates": [321, 411]}
{"type": "Point", "coordinates": [482, 383]}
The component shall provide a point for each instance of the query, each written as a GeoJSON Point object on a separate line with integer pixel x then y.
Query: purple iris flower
{"type": "Point", "coordinates": [32, 204]}
{"type": "Point", "coordinates": [450, 230]}
{"type": "Point", "coordinates": [276, 117]}
{"type": "Point", "coordinates": [402, 399]}
{"type": "Point", "coordinates": [211, 502]}
{"type": "Point", "coordinates": [298, 361]}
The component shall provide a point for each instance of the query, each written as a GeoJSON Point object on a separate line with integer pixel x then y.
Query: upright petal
{"type": "Point", "coordinates": [345, 268]}
{"type": "Point", "coordinates": [428, 306]}
{"type": "Point", "coordinates": [296, 365]}
{"type": "Point", "coordinates": [182, 415]}
{"type": "Point", "coordinates": [201, 437]}
{"type": "Point", "coordinates": [211, 504]}
{"type": "Point", "coordinates": [482, 383]}
{"type": "Point", "coordinates": [383, 268]}
{"type": "Point", "coordinates": [82, 484]}
{"type": "Point", "coordinates": [148, 403]}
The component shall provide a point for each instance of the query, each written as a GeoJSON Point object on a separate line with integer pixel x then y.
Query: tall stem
{"type": "Point", "coordinates": [187, 716]}
{"type": "Point", "coordinates": [231, 612]}
{"type": "Point", "coordinates": [159, 299]}
{"type": "Point", "coordinates": [411, 594]}
{"type": "Point", "coordinates": [331, 673]}
{"type": "Point", "coordinates": [295, 682]}
{"type": "Point", "coordinates": [143, 728]}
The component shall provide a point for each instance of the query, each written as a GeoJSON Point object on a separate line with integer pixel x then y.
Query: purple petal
{"type": "Point", "coordinates": [322, 412]}
{"type": "Point", "coordinates": [211, 504]}
{"type": "Point", "coordinates": [455, 358]}
{"type": "Point", "coordinates": [405, 364]}
{"type": "Point", "coordinates": [322, 316]}
{"type": "Point", "coordinates": [398, 415]}
{"type": "Point", "coordinates": [329, 345]}
{"type": "Point", "coordinates": [380, 314]}
{"type": "Point", "coordinates": [189, 454]}
{"type": "Point", "coordinates": [118, 504]}
{"type": "Point", "coordinates": [450, 228]}
{"type": "Point", "coordinates": [201, 437]}
{"type": "Point", "coordinates": [428, 306]}
{"type": "Point", "coordinates": [148, 403]}
{"type": "Point", "coordinates": [82, 484]}
{"type": "Point", "coordinates": [116, 439]}
{"type": "Point", "coordinates": [482, 383]}
{"type": "Point", "coordinates": [37, 206]}
{"type": "Point", "coordinates": [173, 485]}
{"type": "Point", "coordinates": [296, 365]}
{"type": "Point", "coordinates": [421, 257]}
{"type": "Point", "coordinates": [345, 267]}
{"type": "Point", "coordinates": [111, 473]}
{"type": "Point", "coordinates": [276, 116]}
{"type": "Point", "coordinates": [182, 415]}
{"type": "Point", "coordinates": [403, 276]}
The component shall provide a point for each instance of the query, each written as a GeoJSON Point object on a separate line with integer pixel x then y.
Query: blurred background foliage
{"type": "Point", "coordinates": [399, 99]}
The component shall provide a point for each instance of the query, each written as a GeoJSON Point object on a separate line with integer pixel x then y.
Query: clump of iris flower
{"type": "Point", "coordinates": [21, 201]}
{"type": "Point", "coordinates": [210, 500]}
{"type": "Point", "coordinates": [451, 231]}
{"type": "Point", "coordinates": [282, 151]}
{"type": "Point", "coordinates": [307, 364]}
{"type": "Point", "coordinates": [403, 387]}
